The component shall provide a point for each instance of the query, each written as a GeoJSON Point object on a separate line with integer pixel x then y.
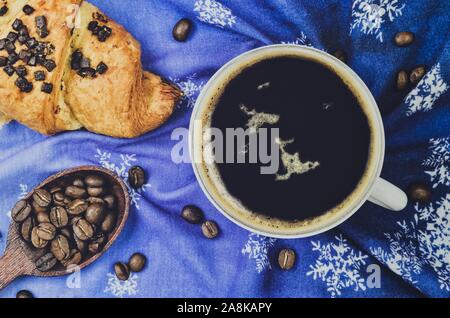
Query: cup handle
{"type": "Point", "coordinates": [388, 196]}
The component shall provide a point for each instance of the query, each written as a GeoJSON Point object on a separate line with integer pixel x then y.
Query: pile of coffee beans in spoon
{"type": "Point", "coordinates": [70, 220]}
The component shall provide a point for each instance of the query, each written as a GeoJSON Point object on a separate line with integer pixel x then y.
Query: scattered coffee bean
{"type": "Point", "coordinates": [122, 271]}
{"type": "Point", "coordinates": [109, 223]}
{"type": "Point", "coordinates": [419, 192]}
{"type": "Point", "coordinates": [83, 230]}
{"type": "Point", "coordinates": [95, 200]}
{"type": "Point", "coordinates": [192, 214]}
{"type": "Point", "coordinates": [94, 181]}
{"type": "Point", "coordinates": [46, 262]}
{"type": "Point", "coordinates": [340, 55]}
{"type": "Point", "coordinates": [137, 262]}
{"type": "Point", "coordinates": [24, 294]}
{"type": "Point", "coordinates": [60, 247]}
{"type": "Point", "coordinates": [59, 199]}
{"type": "Point", "coordinates": [95, 213]}
{"type": "Point", "coordinates": [76, 192]}
{"type": "Point", "coordinates": [182, 29]}
{"type": "Point", "coordinates": [77, 206]}
{"type": "Point", "coordinates": [210, 229]}
{"type": "Point", "coordinates": [402, 80]}
{"type": "Point", "coordinates": [21, 211]}
{"type": "Point", "coordinates": [67, 233]}
{"type": "Point", "coordinates": [81, 245]}
{"type": "Point", "coordinates": [403, 39]}
{"type": "Point", "coordinates": [28, 10]}
{"type": "Point", "coordinates": [27, 227]}
{"type": "Point", "coordinates": [42, 197]}
{"type": "Point", "coordinates": [416, 75]}
{"type": "Point", "coordinates": [46, 231]}
{"type": "Point", "coordinates": [36, 240]}
{"type": "Point", "coordinates": [136, 177]}
{"type": "Point", "coordinates": [286, 259]}
{"type": "Point", "coordinates": [37, 208]}
{"type": "Point", "coordinates": [59, 217]}
{"type": "Point", "coordinates": [78, 183]}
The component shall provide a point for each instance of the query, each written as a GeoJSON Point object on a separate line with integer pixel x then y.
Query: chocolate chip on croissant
{"type": "Point", "coordinates": [104, 89]}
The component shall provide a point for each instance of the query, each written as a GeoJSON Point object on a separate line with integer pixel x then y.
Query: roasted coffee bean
{"type": "Point", "coordinates": [110, 201]}
{"type": "Point", "coordinates": [37, 208]}
{"type": "Point", "coordinates": [109, 223]}
{"type": "Point", "coordinates": [95, 200]}
{"type": "Point", "coordinates": [192, 214]}
{"type": "Point", "coordinates": [74, 258]}
{"type": "Point", "coordinates": [340, 55]}
{"type": "Point", "coordinates": [24, 294]}
{"type": "Point", "coordinates": [81, 245]}
{"type": "Point", "coordinates": [60, 247]}
{"type": "Point", "coordinates": [210, 229]}
{"type": "Point", "coordinates": [83, 230]}
{"type": "Point", "coordinates": [27, 227]}
{"type": "Point", "coordinates": [94, 181]}
{"type": "Point", "coordinates": [78, 183]}
{"type": "Point", "coordinates": [36, 240]}
{"type": "Point", "coordinates": [95, 191]}
{"type": "Point", "coordinates": [67, 233]}
{"type": "Point", "coordinates": [76, 192]}
{"type": "Point", "coordinates": [419, 192]}
{"type": "Point", "coordinates": [43, 217]}
{"type": "Point", "coordinates": [95, 213]}
{"type": "Point", "coordinates": [102, 68]}
{"type": "Point", "coordinates": [94, 248]}
{"type": "Point", "coordinates": [137, 262]}
{"type": "Point", "coordinates": [77, 206]}
{"type": "Point", "coordinates": [416, 75]}
{"type": "Point", "coordinates": [59, 217]}
{"type": "Point", "coordinates": [56, 189]}
{"type": "Point", "coordinates": [182, 29]}
{"type": "Point", "coordinates": [286, 259]}
{"type": "Point", "coordinates": [402, 80]}
{"type": "Point", "coordinates": [47, 88]}
{"type": "Point", "coordinates": [136, 177]}
{"type": "Point", "coordinates": [42, 197]}
{"type": "Point", "coordinates": [46, 231]}
{"type": "Point", "coordinates": [21, 211]}
{"type": "Point", "coordinates": [58, 198]}
{"type": "Point", "coordinates": [96, 243]}
{"type": "Point", "coordinates": [403, 39]}
{"type": "Point", "coordinates": [122, 271]}
{"type": "Point", "coordinates": [46, 262]}
{"type": "Point", "coordinates": [28, 10]}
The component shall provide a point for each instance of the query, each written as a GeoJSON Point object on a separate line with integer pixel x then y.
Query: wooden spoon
{"type": "Point", "coordinates": [20, 256]}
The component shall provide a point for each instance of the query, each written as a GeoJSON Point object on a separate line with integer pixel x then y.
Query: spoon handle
{"type": "Point", "coordinates": [13, 263]}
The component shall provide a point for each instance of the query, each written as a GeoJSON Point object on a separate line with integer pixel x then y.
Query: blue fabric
{"type": "Point", "coordinates": [411, 248]}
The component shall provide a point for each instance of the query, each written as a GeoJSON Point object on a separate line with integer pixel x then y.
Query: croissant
{"type": "Point", "coordinates": [67, 66]}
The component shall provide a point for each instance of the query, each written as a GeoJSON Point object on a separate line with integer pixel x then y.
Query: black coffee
{"type": "Point", "coordinates": [318, 117]}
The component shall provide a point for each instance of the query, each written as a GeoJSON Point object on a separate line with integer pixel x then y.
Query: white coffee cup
{"type": "Point", "coordinates": [374, 188]}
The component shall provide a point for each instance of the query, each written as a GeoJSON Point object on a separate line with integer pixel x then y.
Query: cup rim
{"type": "Point", "coordinates": [362, 89]}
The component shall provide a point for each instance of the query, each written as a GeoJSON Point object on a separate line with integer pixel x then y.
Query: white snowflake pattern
{"type": "Point", "coordinates": [369, 15]}
{"type": "Point", "coordinates": [438, 162]}
{"type": "Point", "coordinates": [257, 249]}
{"type": "Point", "coordinates": [23, 191]}
{"type": "Point", "coordinates": [403, 257]}
{"type": "Point", "coordinates": [121, 288]}
{"type": "Point", "coordinates": [302, 39]}
{"type": "Point", "coordinates": [434, 240]}
{"type": "Point", "coordinates": [190, 89]}
{"type": "Point", "coordinates": [427, 92]}
{"type": "Point", "coordinates": [121, 169]}
{"type": "Point", "coordinates": [339, 266]}
{"type": "Point", "coordinates": [215, 13]}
